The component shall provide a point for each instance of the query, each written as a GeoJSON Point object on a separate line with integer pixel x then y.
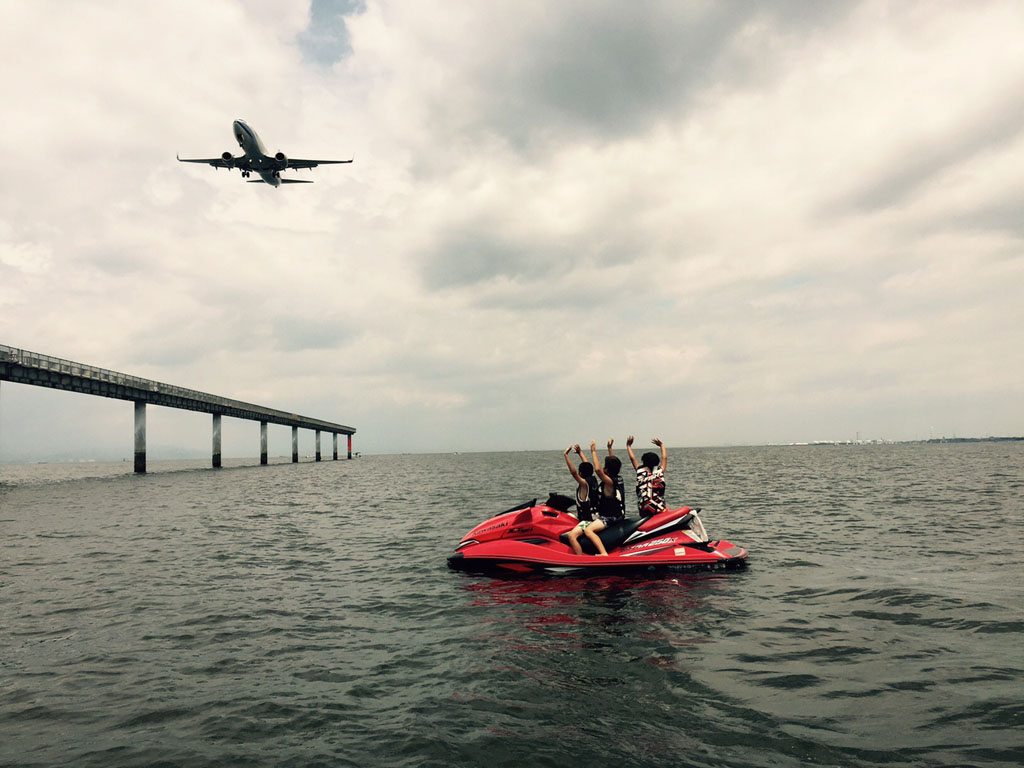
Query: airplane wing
{"type": "Point", "coordinates": [293, 163]}
{"type": "Point", "coordinates": [216, 162]}
{"type": "Point", "coordinates": [219, 162]}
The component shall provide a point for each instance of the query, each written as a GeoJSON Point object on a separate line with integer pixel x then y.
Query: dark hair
{"type": "Point", "coordinates": [586, 469]}
{"type": "Point", "coordinates": [612, 465]}
{"type": "Point", "coordinates": [650, 460]}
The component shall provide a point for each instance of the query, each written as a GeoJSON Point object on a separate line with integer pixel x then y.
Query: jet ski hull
{"type": "Point", "coordinates": [533, 538]}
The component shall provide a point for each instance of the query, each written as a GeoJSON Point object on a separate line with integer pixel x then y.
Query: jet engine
{"type": "Point", "coordinates": [227, 158]}
{"type": "Point", "coordinates": [282, 160]}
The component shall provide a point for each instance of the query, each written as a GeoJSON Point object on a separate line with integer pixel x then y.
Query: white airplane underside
{"type": "Point", "coordinates": [255, 159]}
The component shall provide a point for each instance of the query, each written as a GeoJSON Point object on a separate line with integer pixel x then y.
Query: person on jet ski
{"type": "Point", "coordinates": [619, 485]}
{"type": "Point", "coordinates": [650, 478]}
{"type": "Point", "coordinates": [610, 504]}
{"type": "Point", "coordinates": [586, 484]}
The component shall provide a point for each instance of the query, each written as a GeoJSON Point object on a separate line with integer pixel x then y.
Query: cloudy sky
{"type": "Point", "coordinates": [718, 223]}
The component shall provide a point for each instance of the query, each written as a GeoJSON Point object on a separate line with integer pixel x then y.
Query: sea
{"type": "Point", "coordinates": [304, 615]}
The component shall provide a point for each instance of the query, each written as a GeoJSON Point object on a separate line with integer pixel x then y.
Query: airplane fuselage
{"type": "Point", "coordinates": [267, 166]}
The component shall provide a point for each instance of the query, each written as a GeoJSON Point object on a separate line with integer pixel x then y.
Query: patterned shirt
{"type": "Point", "coordinates": [650, 490]}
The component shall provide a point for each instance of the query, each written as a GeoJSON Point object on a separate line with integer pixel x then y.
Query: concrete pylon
{"type": "Point", "coordinates": [216, 441]}
{"type": "Point", "coordinates": [140, 437]}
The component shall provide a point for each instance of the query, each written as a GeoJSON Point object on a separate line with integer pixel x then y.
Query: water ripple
{"type": "Point", "coordinates": [303, 615]}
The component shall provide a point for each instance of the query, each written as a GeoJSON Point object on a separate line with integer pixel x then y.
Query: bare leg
{"type": "Point", "coordinates": [592, 530]}
{"type": "Point", "coordinates": [574, 536]}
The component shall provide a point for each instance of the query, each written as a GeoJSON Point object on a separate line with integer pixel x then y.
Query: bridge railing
{"type": "Point", "coordinates": [59, 365]}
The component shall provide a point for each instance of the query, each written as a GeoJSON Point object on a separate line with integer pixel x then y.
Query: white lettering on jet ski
{"type": "Point", "coordinates": [646, 544]}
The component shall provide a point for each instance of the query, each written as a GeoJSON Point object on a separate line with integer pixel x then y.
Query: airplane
{"type": "Point", "coordinates": [255, 158]}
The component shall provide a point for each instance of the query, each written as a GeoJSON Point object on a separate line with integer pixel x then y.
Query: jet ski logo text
{"type": "Point", "coordinates": [646, 544]}
{"type": "Point", "coordinates": [493, 527]}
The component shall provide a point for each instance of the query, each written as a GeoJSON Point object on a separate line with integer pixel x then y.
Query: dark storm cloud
{"type": "Point", "coordinates": [608, 72]}
{"type": "Point", "coordinates": [609, 69]}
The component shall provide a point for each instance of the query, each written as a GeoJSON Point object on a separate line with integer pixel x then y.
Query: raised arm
{"type": "Point", "coordinates": [605, 479]}
{"type": "Point", "coordinates": [611, 442]}
{"type": "Point", "coordinates": [664, 453]}
{"type": "Point", "coordinates": [572, 469]}
{"type": "Point", "coordinates": [629, 450]}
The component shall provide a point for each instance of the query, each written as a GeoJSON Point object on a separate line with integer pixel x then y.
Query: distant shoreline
{"type": "Point", "coordinates": [929, 441]}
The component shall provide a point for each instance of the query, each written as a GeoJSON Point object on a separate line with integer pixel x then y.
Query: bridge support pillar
{"type": "Point", "coordinates": [335, 446]}
{"type": "Point", "coordinates": [318, 445]}
{"type": "Point", "coordinates": [216, 441]}
{"type": "Point", "coordinates": [295, 445]}
{"type": "Point", "coordinates": [263, 442]}
{"type": "Point", "coordinates": [140, 437]}
{"type": "Point", "coordinates": [350, 446]}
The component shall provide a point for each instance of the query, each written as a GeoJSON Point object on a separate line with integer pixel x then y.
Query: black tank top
{"type": "Point", "coordinates": [611, 506]}
{"type": "Point", "coordinates": [586, 508]}
{"type": "Point", "coordinates": [620, 489]}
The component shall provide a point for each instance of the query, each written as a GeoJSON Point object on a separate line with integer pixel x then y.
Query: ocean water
{"type": "Point", "coordinates": [304, 615]}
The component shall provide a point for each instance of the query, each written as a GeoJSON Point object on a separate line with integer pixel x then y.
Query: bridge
{"type": "Point", "coordinates": [24, 367]}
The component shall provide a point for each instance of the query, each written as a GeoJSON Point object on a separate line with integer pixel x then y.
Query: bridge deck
{"type": "Point", "coordinates": [24, 367]}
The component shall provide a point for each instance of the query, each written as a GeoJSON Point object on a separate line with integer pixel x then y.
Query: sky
{"type": "Point", "coordinates": [716, 223]}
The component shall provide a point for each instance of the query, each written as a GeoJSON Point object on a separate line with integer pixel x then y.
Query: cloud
{"type": "Point", "coordinates": [325, 41]}
{"type": "Point", "coordinates": [716, 222]}
{"type": "Point", "coordinates": [923, 162]}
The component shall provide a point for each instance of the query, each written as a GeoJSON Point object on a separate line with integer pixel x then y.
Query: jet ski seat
{"type": "Point", "coordinates": [612, 536]}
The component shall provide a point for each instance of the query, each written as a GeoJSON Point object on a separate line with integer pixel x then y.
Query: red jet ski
{"type": "Point", "coordinates": [534, 537]}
